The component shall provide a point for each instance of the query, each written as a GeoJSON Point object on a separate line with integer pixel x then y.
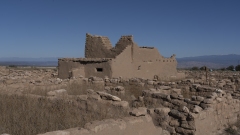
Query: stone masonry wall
{"type": "Point", "coordinates": [198, 115]}
{"type": "Point", "coordinates": [98, 47]}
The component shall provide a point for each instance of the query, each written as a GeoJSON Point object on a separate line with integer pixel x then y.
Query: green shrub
{"type": "Point", "coordinates": [237, 68]}
{"type": "Point", "coordinates": [230, 68]}
{"type": "Point", "coordinates": [195, 68]}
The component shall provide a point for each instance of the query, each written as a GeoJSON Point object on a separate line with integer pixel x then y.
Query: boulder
{"type": "Point", "coordinates": [178, 102]}
{"type": "Point", "coordinates": [92, 95]}
{"type": "Point", "coordinates": [174, 96]}
{"type": "Point", "coordinates": [177, 114]}
{"type": "Point", "coordinates": [188, 125]}
{"type": "Point", "coordinates": [185, 109]}
{"type": "Point", "coordinates": [162, 110]}
{"type": "Point", "coordinates": [174, 123]}
{"type": "Point", "coordinates": [121, 104]}
{"type": "Point", "coordinates": [178, 91]}
{"type": "Point", "coordinates": [219, 100]}
{"type": "Point", "coordinates": [205, 106]}
{"type": "Point", "coordinates": [141, 111]}
{"type": "Point", "coordinates": [184, 131]}
{"type": "Point", "coordinates": [197, 109]}
{"type": "Point", "coordinates": [149, 82]}
{"type": "Point", "coordinates": [208, 101]}
{"type": "Point", "coordinates": [119, 88]}
{"type": "Point", "coordinates": [199, 98]}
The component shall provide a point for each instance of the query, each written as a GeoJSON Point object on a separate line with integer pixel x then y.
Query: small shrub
{"type": "Point", "coordinates": [231, 131]}
{"type": "Point", "coordinates": [223, 69]}
{"type": "Point", "coordinates": [195, 68]}
{"type": "Point", "coordinates": [12, 66]}
{"type": "Point", "coordinates": [230, 68]}
{"type": "Point", "coordinates": [237, 68]}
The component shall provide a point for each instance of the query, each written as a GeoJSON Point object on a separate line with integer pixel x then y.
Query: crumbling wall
{"type": "Point", "coordinates": [100, 46]}
{"type": "Point", "coordinates": [122, 43]}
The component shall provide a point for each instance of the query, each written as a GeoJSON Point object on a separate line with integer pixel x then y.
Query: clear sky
{"type": "Point", "coordinates": [57, 28]}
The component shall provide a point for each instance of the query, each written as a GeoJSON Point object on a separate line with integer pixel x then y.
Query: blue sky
{"type": "Point", "coordinates": [57, 28]}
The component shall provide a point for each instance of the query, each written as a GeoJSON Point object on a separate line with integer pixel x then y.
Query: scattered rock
{"type": "Point", "coordinates": [62, 93]}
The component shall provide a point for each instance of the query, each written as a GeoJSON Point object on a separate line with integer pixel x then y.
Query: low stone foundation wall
{"type": "Point", "coordinates": [217, 118]}
{"type": "Point", "coordinates": [142, 125]}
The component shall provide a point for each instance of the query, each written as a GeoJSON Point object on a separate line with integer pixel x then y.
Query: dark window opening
{"type": "Point", "coordinates": [139, 67]}
{"type": "Point", "coordinates": [99, 69]}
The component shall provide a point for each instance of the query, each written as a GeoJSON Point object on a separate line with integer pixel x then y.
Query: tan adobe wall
{"type": "Point", "coordinates": [143, 63]}
{"type": "Point", "coordinates": [90, 69]}
{"type": "Point", "coordinates": [65, 66]}
{"type": "Point", "coordinates": [96, 68]}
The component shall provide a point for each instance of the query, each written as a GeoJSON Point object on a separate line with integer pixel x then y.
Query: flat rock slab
{"type": "Point", "coordinates": [108, 96]}
{"type": "Point", "coordinates": [56, 133]}
{"type": "Point", "coordinates": [164, 87]}
{"type": "Point", "coordinates": [57, 93]}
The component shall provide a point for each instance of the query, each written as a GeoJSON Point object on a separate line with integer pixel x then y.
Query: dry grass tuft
{"type": "Point", "coordinates": [25, 115]}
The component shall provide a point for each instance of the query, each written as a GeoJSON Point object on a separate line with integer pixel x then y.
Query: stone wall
{"type": "Point", "coordinates": [198, 115]}
{"type": "Point", "coordinates": [98, 47]}
{"type": "Point", "coordinates": [110, 106]}
{"type": "Point", "coordinates": [163, 109]}
{"type": "Point", "coordinates": [220, 112]}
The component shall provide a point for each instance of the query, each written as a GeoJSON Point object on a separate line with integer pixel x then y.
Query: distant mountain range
{"type": "Point", "coordinates": [211, 61]}
{"type": "Point", "coordinates": [9, 59]}
{"type": "Point", "coordinates": [47, 61]}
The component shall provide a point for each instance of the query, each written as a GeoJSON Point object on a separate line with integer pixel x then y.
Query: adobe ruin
{"type": "Point", "coordinates": [126, 60]}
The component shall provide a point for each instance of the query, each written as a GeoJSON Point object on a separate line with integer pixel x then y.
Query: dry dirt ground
{"type": "Point", "coordinates": [35, 101]}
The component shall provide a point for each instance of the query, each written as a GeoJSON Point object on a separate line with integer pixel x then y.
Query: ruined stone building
{"type": "Point", "coordinates": [126, 60]}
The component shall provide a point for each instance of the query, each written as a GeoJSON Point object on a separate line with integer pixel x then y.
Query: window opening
{"type": "Point", "coordinates": [99, 69]}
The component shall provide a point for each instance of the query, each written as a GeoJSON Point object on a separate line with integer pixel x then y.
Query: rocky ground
{"type": "Point", "coordinates": [174, 106]}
